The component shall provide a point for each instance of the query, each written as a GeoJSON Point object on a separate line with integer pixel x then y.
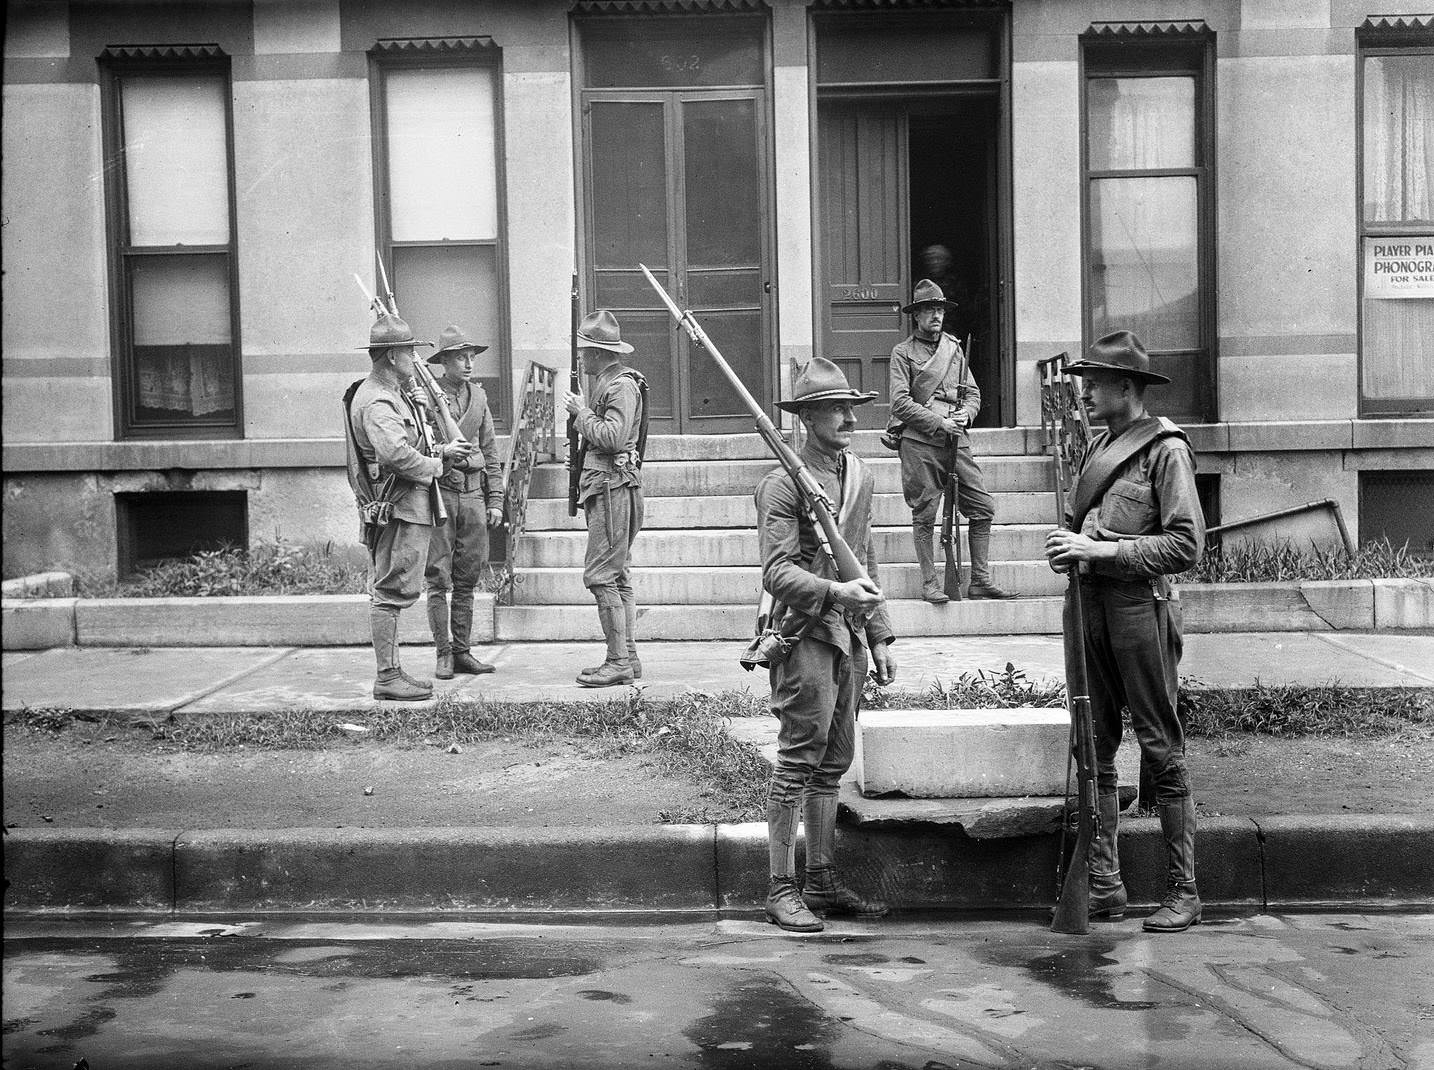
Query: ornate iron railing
{"type": "Point", "coordinates": [534, 440]}
{"type": "Point", "coordinates": [1063, 418]}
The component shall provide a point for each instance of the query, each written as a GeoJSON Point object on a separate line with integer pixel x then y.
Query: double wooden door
{"type": "Point", "coordinates": [677, 180]}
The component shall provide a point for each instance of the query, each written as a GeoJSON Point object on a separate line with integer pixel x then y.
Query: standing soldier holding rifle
{"type": "Point", "coordinates": [933, 401]}
{"type": "Point", "coordinates": [1133, 520]}
{"type": "Point", "coordinates": [389, 436]}
{"type": "Point", "coordinates": [614, 435]}
{"type": "Point", "coordinates": [473, 498]}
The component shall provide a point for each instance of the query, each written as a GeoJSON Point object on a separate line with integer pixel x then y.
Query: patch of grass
{"type": "Point", "coordinates": [1300, 710]}
{"type": "Point", "coordinates": [970, 691]}
{"type": "Point", "coordinates": [1275, 561]}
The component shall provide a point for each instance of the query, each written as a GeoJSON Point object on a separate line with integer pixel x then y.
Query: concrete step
{"type": "Point", "coordinates": [739, 584]}
{"type": "Point", "coordinates": [984, 441]}
{"type": "Point", "coordinates": [571, 623]}
{"type": "Point", "coordinates": [723, 547]}
{"type": "Point", "coordinates": [984, 753]}
{"type": "Point", "coordinates": [740, 511]}
{"type": "Point", "coordinates": [681, 478]}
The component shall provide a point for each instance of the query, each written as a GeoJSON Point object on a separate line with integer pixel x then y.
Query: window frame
{"type": "Point", "coordinates": [1161, 50]}
{"type": "Point", "coordinates": [117, 64]}
{"type": "Point", "coordinates": [1382, 38]}
{"type": "Point", "coordinates": [390, 54]}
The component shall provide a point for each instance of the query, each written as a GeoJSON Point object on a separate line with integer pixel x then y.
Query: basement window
{"type": "Point", "coordinates": [1399, 506]}
{"type": "Point", "coordinates": [159, 526]}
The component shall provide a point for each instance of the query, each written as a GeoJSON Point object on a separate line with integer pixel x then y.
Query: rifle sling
{"type": "Point", "coordinates": [1101, 470]}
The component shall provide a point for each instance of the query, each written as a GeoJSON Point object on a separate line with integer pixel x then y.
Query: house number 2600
{"type": "Point", "coordinates": [682, 64]}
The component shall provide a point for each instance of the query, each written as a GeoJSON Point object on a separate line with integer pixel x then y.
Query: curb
{"type": "Point", "coordinates": [1269, 863]}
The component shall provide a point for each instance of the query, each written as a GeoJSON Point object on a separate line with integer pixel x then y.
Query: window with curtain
{"type": "Point", "coordinates": [173, 246]}
{"type": "Point", "coordinates": [1397, 231]}
{"type": "Point", "coordinates": [1148, 262]}
{"type": "Point", "coordinates": [440, 200]}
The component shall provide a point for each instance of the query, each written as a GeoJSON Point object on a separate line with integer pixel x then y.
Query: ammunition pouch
{"type": "Point", "coordinates": [768, 649]}
{"type": "Point", "coordinates": [376, 513]}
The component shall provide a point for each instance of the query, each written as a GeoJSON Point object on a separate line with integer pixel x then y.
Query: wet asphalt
{"type": "Point", "coordinates": [1320, 991]}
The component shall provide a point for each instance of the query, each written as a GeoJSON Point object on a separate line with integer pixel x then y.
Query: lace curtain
{"type": "Point", "coordinates": [1399, 139]}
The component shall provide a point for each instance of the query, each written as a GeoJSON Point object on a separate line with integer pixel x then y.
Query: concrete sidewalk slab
{"type": "Point", "coordinates": [1238, 659]}
{"type": "Point", "coordinates": [141, 681]}
{"type": "Point", "coordinates": [1406, 655]}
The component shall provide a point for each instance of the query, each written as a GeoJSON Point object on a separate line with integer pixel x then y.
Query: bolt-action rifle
{"type": "Point", "coordinates": [575, 451]}
{"type": "Point", "coordinates": [950, 517]}
{"type": "Point", "coordinates": [821, 506]}
{"type": "Point", "coordinates": [1066, 434]}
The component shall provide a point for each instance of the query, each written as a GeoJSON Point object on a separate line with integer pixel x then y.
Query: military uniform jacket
{"type": "Point", "coordinates": [468, 403]}
{"type": "Point", "coordinates": [796, 570]}
{"type": "Point", "coordinates": [1152, 509]}
{"type": "Point", "coordinates": [918, 371]}
{"type": "Point", "coordinates": [610, 430]}
{"type": "Point", "coordinates": [386, 432]}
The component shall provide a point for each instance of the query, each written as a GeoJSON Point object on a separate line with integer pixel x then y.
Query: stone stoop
{"type": "Point", "coordinates": [697, 571]}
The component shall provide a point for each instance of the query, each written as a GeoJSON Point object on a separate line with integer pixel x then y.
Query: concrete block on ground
{"type": "Point", "coordinates": [37, 623]}
{"type": "Point", "coordinates": [650, 868]}
{"type": "Point", "coordinates": [39, 585]}
{"type": "Point", "coordinates": [1402, 603]}
{"type": "Point", "coordinates": [955, 754]}
{"type": "Point", "coordinates": [1354, 858]}
{"type": "Point", "coordinates": [981, 819]}
{"type": "Point", "coordinates": [1345, 605]}
{"type": "Point", "coordinates": [89, 869]}
{"type": "Point", "coordinates": [1248, 607]}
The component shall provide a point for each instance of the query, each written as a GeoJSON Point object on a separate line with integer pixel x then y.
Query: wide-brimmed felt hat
{"type": "Point", "coordinates": [389, 331]}
{"type": "Point", "coordinates": [453, 340]}
{"type": "Point", "coordinates": [927, 293]}
{"type": "Point", "coordinates": [821, 380]}
{"type": "Point", "coordinates": [599, 330]}
{"type": "Point", "coordinates": [1120, 352]}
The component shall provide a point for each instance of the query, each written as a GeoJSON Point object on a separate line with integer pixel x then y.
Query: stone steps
{"type": "Point", "coordinates": [726, 547]}
{"type": "Point", "coordinates": [985, 441]}
{"type": "Point", "coordinates": [700, 586]}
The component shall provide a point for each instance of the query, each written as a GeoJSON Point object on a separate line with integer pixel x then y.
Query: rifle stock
{"type": "Point", "coordinates": [847, 566]}
{"type": "Point", "coordinates": [1072, 913]}
{"type": "Point", "coordinates": [951, 539]}
{"type": "Point", "coordinates": [575, 464]}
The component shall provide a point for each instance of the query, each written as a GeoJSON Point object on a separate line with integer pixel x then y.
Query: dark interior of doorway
{"type": "Point", "coordinates": [953, 206]}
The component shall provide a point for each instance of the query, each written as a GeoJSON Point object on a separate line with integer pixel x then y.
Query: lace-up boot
{"type": "Point", "coordinates": [825, 894]}
{"type": "Point", "coordinates": [786, 910]}
{"type": "Point", "coordinates": [1181, 906]}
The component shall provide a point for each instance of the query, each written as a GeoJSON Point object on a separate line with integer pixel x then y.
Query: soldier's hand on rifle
{"type": "Point", "coordinates": [883, 664]}
{"type": "Point", "coordinates": [859, 594]}
{"type": "Point", "coordinates": [455, 451]}
{"type": "Point", "coordinates": [953, 424]}
{"type": "Point", "coordinates": [1067, 548]}
{"type": "Point", "coordinates": [574, 403]}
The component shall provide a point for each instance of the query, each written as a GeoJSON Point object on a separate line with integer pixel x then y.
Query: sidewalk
{"type": "Point", "coordinates": [287, 852]}
{"type": "Point", "coordinates": [193, 681]}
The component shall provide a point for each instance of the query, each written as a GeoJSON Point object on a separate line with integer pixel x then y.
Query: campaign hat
{"type": "Point", "coordinates": [389, 331]}
{"type": "Point", "coordinates": [821, 380]}
{"type": "Point", "coordinates": [928, 293]}
{"type": "Point", "coordinates": [1120, 352]}
{"type": "Point", "coordinates": [454, 340]}
{"type": "Point", "coordinates": [599, 330]}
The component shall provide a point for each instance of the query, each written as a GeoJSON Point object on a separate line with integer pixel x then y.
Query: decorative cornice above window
{"type": "Point", "coordinates": [1148, 31]}
{"type": "Point", "coordinates": [167, 53]}
{"type": "Point", "coordinates": [435, 46]}
{"type": "Point", "coordinates": [1398, 24]}
{"type": "Point", "coordinates": [590, 8]}
{"type": "Point", "coordinates": [906, 5]}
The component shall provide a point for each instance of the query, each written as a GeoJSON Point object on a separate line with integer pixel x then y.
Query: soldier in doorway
{"type": "Point", "coordinates": [933, 400]}
{"type": "Point", "coordinates": [817, 687]}
{"type": "Point", "coordinates": [1134, 520]}
{"type": "Point", "coordinates": [386, 425]}
{"type": "Point", "coordinates": [473, 498]}
{"type": "Point", "coordinates": [614, 434]}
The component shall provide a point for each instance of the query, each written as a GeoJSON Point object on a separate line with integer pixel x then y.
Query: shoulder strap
{"type": "Point", "coordinates": [1100, 471]}
{"type": "Point", "coordinates": [638, 378]}
{"type": "Point", "coordinates": [950, 359]}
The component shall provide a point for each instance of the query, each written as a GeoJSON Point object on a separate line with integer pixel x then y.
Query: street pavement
{"type": "Point", "coordinates": [222, 680]}
{"type": "Point", "coordinates": [1240, 992]}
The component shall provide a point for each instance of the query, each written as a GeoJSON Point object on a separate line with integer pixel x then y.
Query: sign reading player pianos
{"type": "Point", "coordinates": [1398, 267]}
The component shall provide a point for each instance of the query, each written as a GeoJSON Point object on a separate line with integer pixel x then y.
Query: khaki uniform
{"type": "Point", "coordinates": [817, 689]}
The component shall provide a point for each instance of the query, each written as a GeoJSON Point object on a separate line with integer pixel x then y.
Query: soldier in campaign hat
{"type": "Point", "coordinates": [386, 426]}
{"type": "Point", "coordinates": [933, 401]}
{"type": "Point", "coordinates": [614, 435]}
{"type": "Point", "coordinates": [834, 628]}
{"type": "Point", "coordinates": [1133, 521]}
{"type": "Point", "coordinates": [473, 499]}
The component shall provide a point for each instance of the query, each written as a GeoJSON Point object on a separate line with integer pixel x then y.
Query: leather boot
{"type": "Point", "coordinates": [1107, 891]}
{"type": "Point", "coordinates": [615, 670]}
{"type": "Point", "coordinates": [786, 910]}
{"type": "Point", "coordinates": [462, 617]}
{"type": "Point", "coordinates": [391, 683]}
{"type": "Point", "coordinates": [465, 662]}
{"type": "Point", "coordinates": [438, 625]}
{"type": "Point", "coordinates": [1181, 906]}
{"type": "Point", "coordinates": [823, 890]}
{"type": "Point", "coordinates": [629, 610]}
{"type": "Point", "coordinates": [784, 906]}
{"type": "Point", "coordinates": [978, 538]}
{"type": "Point", "coordinates": [922, 536]}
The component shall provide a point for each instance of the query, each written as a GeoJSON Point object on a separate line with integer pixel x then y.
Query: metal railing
{"type": "Point", "coordinates": [534, 440]}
